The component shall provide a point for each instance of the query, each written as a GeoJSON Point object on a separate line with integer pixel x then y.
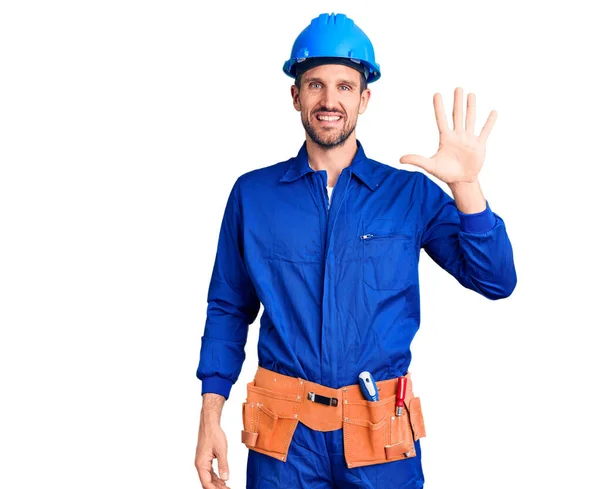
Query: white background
{"type": "Point", "coordinates": [123, 125]}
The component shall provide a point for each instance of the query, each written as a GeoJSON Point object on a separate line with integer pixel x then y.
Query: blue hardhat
{"type": "Point", "coordinates": [333, 36]}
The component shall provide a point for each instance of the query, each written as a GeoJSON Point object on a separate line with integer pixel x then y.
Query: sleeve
{"type": "Point", "coordinates": [473, 248]}
{"type": "Point", "coordinates": [232, 307]}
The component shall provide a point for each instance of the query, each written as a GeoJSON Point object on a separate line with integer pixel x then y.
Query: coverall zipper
{"type": "Point", "coordinates": [321, 175]}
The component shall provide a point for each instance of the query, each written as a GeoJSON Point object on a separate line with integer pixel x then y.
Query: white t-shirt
{"type": "Point", "coordinates": [329, 190]}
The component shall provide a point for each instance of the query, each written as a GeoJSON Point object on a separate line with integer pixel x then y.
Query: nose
{"type": "Point", "coordinates": [330, 97]}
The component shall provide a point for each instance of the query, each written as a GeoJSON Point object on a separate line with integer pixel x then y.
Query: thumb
{"type": "Point", "coordinates": [222, 464]}
{"type": "Point", "coordinates": [418, 160]}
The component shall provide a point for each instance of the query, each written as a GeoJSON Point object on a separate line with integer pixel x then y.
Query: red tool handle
{"type": "Point", "coordinates": [401, 392]}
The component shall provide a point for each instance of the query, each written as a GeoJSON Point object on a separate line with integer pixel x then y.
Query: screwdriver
{"type": "Point", "coordinates": [368, 386]}
{"type": "Point", "coordinates": [400, 394]}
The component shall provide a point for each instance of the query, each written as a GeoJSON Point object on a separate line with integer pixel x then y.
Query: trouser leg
{"type": "Point", "coordinates": [400, 474]}
{"type": "Point", "coordinates": [307, 464]}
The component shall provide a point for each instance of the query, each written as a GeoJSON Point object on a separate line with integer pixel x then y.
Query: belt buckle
{"type": "Point", "coordinates": [328, 401]}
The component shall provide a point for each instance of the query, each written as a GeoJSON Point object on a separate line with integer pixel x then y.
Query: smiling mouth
{"type": "Point", "coordinates": [328, 119]}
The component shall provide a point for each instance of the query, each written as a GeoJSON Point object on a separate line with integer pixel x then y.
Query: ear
{"type": "Point", "coordinates": [295, 97]}
{"type": "Point", "coordinates": [364, 100]}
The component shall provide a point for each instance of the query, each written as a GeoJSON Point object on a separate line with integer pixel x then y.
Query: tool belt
{"type": "Point", "coordinates": [372, 432]}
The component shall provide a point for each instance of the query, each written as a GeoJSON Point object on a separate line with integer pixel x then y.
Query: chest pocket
{"type": "Point", "coordinates": [389, 256]}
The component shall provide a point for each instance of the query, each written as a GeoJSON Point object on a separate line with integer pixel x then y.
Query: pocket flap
{"type": "Point", "coordinates": [416, 418]}
{"type": "Point", "coordinates": [398, 449]}
{"type": "Point", "coordinates": [249, 438]}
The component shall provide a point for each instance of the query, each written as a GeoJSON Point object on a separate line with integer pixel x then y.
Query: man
{"type": "Point", "coordinates": [329, 243]}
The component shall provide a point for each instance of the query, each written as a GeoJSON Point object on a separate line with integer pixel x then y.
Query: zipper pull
{"type": "Point", "coordinates": [366, 236]}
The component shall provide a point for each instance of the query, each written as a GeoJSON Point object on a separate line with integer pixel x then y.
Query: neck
{"type": "Point", "coordinates": [332, 160]}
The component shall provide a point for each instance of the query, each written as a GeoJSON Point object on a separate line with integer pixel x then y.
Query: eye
{"type": "Point", "coordinates": [345, 87]}
{"type": "Point", "coordinates": [314, 85]}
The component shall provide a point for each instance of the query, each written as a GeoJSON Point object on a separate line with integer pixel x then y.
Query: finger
{"type": "Point", "coordinates": [421, 161]}
{"type": "Point", "coordinates": [216, 480]}
{"type": "Point", "coordinates": [487, 128]}
{"type": "Point", "coordinates": [206, 478]}
{"type": "Point", "coordinates": [222, 463]}
{"type": "Point", "coordinates": [440, 115]}
{"type": "Point", "coordinates": [470, 121]}
{"type": "Point", "coordinates": [457, 111]}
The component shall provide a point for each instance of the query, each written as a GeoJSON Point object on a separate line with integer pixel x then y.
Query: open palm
{"type": "Point", "coordinates": [461, 153]}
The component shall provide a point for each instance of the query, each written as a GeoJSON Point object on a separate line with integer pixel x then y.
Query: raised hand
{"type": "Point", "coordinates": [461, 153]}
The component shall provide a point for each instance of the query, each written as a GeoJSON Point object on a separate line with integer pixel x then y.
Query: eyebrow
{"type": "Point", "coordinates": [345, 82]}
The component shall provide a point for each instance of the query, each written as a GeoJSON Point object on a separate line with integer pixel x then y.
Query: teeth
{"type": "Point", "coordinates": [328, 118]}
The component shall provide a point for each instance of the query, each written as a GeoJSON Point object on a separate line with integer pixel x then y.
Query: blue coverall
{"type": "Point", "coordinates": [340, 291]}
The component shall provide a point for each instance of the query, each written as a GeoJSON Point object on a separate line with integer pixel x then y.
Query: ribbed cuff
{"type": "Point", "coordinates": [216, 385]}
{"type": "Point", "coordinates": [480, 222]}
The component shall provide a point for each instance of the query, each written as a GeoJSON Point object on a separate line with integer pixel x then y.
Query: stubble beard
{"type": "Point", "coordinates": [330, 141]}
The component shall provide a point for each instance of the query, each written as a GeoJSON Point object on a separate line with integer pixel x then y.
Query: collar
{"type": "Point", "coordinates": [368, 171]}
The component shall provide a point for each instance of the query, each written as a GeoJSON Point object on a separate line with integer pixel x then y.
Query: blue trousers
{"type": "Point", "coordinates": [316, 460]}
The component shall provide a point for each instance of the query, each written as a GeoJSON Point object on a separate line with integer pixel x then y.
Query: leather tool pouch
{"type": "Point", "coordinates": [372, 432]}
{"type": "Point", "coordinates": [269, 419]}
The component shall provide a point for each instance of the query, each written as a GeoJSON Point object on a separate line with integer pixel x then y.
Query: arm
{"type": "Point", "coordinates": [463, 235]}
{"type": "Point", "coordinates": [468, 197]}
{"type": "Point", "coordinates": [212, 443]}
{"type": "Point", "coordinates": [232, 306]}
{"type": "Point", "coordinates": [473, 247]}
